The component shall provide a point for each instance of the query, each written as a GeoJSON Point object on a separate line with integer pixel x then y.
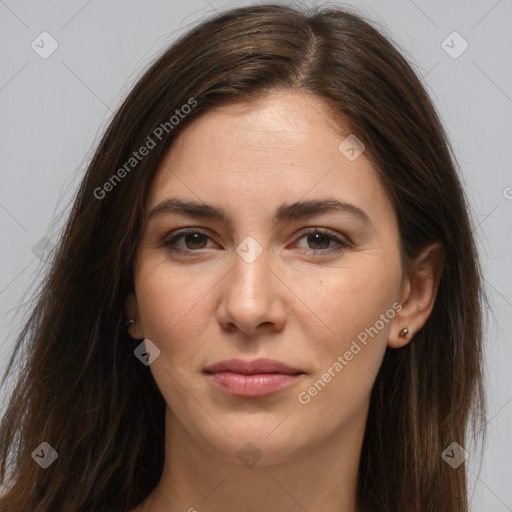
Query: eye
{"type": "Point", "coordinates": [191, 238]}
{"type": "Point", "coordinates": [318, 241]}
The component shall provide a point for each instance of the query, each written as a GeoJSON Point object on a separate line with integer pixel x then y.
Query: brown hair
{"type": "Point", "coordinates": [82, 390]}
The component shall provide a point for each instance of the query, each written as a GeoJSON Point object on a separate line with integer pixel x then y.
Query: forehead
{"type": "Point", "coordinates": [281, 148]}
{"type": "Point", "coordinates": [279, 122]}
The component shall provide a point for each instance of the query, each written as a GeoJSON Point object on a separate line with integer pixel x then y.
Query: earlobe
{"type": "Point", "coordinates": [399, 336]}
{"type": "Point", "coordinates": [419, 295]}
{"type": "Point", "coordinates": [133, 323]}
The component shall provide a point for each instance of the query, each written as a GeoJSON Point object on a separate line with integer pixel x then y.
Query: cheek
{"type": "Point", "coordinates": [173, 307]}
{"type": "Point", "coordinates": [350, 298]}
{"type": "Point", "coordinates": [355, 306]}
{"type": "Point", "coordinates": [172, 303]}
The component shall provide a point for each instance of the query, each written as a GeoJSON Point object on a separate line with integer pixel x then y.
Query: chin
{"type": "Point", "coordinates": [262, 441]}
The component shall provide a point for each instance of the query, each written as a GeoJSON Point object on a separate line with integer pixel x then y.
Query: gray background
{"type": "Point", "coordinates": [53, 111]}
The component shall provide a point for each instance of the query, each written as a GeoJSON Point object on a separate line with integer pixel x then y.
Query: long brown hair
{"type": "Point", "coordinates": [81, 389]}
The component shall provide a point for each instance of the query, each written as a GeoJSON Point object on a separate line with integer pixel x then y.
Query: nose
{"type": "Point", "coordinates": [252, 298]}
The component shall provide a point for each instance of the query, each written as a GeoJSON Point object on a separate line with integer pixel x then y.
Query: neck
{"type": "Point", "coordinates": [319, 478]}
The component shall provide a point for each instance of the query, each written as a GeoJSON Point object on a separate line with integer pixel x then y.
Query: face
{"type": "Point", "coordinates": [315, 289]}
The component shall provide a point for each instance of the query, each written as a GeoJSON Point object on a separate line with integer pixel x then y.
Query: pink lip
{"type": "Point", "coordinates": [256, 378]}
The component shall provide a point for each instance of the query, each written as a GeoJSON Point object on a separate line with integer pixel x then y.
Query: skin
{"type": "Point", "coordinates": [302, 308]}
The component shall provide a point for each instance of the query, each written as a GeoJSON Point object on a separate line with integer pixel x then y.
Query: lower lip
{"type": "Point", "coordinates": [261, 384]}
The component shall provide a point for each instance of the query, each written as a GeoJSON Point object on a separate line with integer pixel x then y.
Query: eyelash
{"type": "Point", "coordinates": [169, 242]}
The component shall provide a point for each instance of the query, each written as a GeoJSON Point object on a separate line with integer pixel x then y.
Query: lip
{"type": "Point", "coordinates": [256, 378]}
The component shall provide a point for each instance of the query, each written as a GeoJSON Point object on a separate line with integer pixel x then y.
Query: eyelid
{"type": "Point", "coordinates": [324, 231]}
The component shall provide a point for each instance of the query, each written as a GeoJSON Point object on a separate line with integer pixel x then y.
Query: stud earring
{"type": "Point", "coordinates": [404, 332]}
{"type": "Point", "coordinates": [130, 323]}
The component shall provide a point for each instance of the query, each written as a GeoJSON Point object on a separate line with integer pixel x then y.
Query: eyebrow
{"type": "Point", "coordinates": [286, 211]}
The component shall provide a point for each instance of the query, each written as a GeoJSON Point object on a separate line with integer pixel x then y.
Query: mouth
{"type": "Point", "coordinates": [250, 379]}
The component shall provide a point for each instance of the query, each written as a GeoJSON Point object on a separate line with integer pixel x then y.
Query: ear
{"type": "Point", "coordinates": [419, 293]}
{"type": "Point", "coordinates": [132, 313]}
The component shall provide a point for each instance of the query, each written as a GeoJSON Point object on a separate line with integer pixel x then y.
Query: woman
{"type": "Point", "coordinates": [267, 295]}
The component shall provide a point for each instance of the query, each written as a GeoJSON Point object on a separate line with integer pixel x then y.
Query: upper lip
{"type": "Point", "coordinates": [256, 366]}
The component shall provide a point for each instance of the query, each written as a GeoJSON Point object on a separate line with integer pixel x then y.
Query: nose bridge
{"type": "Point", "coordinates": [251, 266]}
{"type": "Point", "coordinates": [249, 278]}
{"type": "Point", "coordinates": [251, 281]}
{"type": "Point", "coordinates": [250, 297]}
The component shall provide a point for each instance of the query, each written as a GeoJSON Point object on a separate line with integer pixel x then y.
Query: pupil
{"type": "Point", "coordinates": [193, 238]}
{"type": "Point", "coordinates": [316, 236]}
